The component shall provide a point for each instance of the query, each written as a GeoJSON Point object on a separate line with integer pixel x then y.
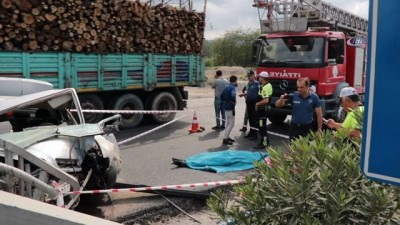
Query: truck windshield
{"type": "Point", "coordinates": [290, 52]}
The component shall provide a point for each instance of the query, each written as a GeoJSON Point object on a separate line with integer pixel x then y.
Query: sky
{"type": "Point", "coordinates": [229, 15]}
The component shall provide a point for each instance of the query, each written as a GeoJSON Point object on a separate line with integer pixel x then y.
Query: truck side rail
{"type": "Point", "coordinates": [105, 72]}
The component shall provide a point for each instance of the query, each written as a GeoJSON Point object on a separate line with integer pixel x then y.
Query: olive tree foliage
{"type": "Point", "coordinates": [316, 180]}
{"type": "Point", "coordinates": [233, 49]}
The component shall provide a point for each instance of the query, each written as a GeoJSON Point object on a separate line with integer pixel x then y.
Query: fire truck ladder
{"type": "Point", "coordinates": [298, 15]}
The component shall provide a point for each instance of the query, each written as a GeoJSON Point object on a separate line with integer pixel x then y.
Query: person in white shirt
{"type": "Point", "coordinates": [219, 84]}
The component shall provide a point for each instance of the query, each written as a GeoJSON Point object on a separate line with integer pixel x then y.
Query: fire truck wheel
{"type": "Point", "coordinates": [129, 102]}
{"type": "Point", "coordinates": [164, 101]}
{"type": "Point", "coordinates": [92, 102]}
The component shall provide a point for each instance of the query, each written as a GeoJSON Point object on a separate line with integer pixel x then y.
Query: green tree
{"type": "Point", "coordinates": [233, 49]}
{"type": "Point", "coordinates": [208, 52]}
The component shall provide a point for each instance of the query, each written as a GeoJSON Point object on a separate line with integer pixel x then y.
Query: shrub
{"type": "Point", "coordinates": [310, 182]}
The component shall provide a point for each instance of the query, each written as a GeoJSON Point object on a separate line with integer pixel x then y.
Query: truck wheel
{"type": "Point", "coordinates": [92, 102]}
{"type": "Point", "coordinates": [276, 118]}
{"type": "Point", "coordinates": [164, 101]}
{"type": "Point", "coordinates": [129, 102]}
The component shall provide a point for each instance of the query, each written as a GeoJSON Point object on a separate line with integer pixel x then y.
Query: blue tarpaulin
{"type": "Point", "coordinates": [225, 161]}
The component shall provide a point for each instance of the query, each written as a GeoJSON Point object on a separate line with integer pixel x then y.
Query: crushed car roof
{"type": "Point", "coordinates": [10, 86]}
{"type": "Point", "coordinates": [8, 103]}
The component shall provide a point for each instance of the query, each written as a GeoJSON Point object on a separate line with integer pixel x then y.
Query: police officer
{"type": "Point", "coordinates": [261, 107]}
{"type": "Point", "coordinates": [251, 95]}
{"type": "Point", "coordinates": [304, 105]}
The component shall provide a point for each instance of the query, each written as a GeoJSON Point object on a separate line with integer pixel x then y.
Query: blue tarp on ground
{"type": "Point", "coordinates": [225, 161]}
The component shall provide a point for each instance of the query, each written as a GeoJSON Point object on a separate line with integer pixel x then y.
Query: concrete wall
{"type": "Point", "coordinates": [17, 210]}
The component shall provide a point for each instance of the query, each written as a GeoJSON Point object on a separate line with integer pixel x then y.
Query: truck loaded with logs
{"type": "Point", "coordinates": [118, 55]}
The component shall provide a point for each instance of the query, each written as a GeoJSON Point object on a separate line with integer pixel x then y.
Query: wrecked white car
{"type": "Point", "coordinates": [44, 140]}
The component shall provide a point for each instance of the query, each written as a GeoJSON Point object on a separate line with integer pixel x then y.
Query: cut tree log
{"type": "Point", "coordinates": [99, 26]}
{"type": "Point", "coordinates": [6, 4]}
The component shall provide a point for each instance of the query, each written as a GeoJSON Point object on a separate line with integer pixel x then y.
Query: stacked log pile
{"type": "Point", "coordinates": [98, 26]}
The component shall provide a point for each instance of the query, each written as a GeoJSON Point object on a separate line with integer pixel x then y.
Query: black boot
{"type": "Point", "coordinates": [227, 142]}
{"type": "Point", "coordinates": [179, 162]}
{"type": "Point", "coordinates": [263, 144]}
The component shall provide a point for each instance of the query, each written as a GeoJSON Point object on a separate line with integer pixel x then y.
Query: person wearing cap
{"type": "Point", "coordinates": [251, 95]}
{"type": "Point", "coordinates": [219, 84]}
{"type": "Point", "coordinates": [261, 107]}
{"type": "Point", "coordinates": [304, 104]}
{"type": "Point", "coordinates": [351, 102]}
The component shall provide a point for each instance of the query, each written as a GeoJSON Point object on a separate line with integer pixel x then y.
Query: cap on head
{"type": "Point", "coordinates": [250, 72]}
{"type": "Point", "coordinates": [264, 74]}
{"type": "Point", "coordinates": [348, 91]}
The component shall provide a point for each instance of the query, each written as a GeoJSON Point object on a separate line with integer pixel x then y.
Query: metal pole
{"type": "Point", "coordinates": [15, 172]}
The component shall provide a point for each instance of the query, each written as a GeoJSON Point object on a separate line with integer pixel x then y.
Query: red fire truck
{"type": "Point", "coordinates": [310, 38]}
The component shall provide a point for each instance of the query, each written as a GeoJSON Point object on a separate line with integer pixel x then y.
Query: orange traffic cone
{"type": "Point", "coordinates": [195, 126]}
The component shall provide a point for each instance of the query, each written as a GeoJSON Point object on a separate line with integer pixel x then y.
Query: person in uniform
{"type": "Point", "coordinates": [261, 107]}
{"type": "Point", "coordinates": [350, 101]}
{"type": "Point", "coordinates": [304, 104]}
{"type": "Point", "coordinates": [246, 117]}
{"type": "Point", "coordinates": [251, 95]}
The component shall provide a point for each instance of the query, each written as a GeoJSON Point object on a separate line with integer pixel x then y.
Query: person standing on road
{"type": "Point", "coordinates": [261, 108]}
{"type": "Point", "coordinates": [246, 117]}
{"type": "Point", "coordinates": [219, 84]}
{"type": "Point", "coordinates": [350, 101]}
{"type": "Point", "coordinates": [304, 104]}
{"type": "Point", "coordinates": [251, 95]}
{"type": "Point", "coordinates": [228, 96]}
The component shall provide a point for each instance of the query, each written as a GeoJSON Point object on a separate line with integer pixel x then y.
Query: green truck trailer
{"type": "Point", "coordinates": [117, 81]}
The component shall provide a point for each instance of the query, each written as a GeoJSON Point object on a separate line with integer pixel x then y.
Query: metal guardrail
{"type": "Point", "coordinates": [18, 178]}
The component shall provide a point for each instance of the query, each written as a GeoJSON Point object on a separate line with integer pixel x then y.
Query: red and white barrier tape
{"type": "Point", "coordinates": [255, 128]}
{"type": "Point", "coordinates": [155, 188]}
{"type": "Point", "coordinates": [161, 112]}
{"type": "Point", "coordinates": [60, 197]}
{"type": "Point", "coordinates": [150, 131]}
{"type": "Point", "coordinates": [132, 111]}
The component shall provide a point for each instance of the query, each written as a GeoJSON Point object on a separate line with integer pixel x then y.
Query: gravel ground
{"type": "Point", "coordinates": [204, 216]}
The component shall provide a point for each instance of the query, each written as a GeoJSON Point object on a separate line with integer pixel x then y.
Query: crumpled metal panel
{"type": "Point", "coordinates": [26, 138]}
{"type": "Point", "coordinates": [10, 103]}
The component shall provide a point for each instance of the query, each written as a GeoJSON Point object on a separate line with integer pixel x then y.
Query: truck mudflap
{"type": "Point", "coordinates": [185, 98]}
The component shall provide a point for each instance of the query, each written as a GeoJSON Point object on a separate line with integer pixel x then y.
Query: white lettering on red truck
{"type": "Point", "coordinates": [285, 74]}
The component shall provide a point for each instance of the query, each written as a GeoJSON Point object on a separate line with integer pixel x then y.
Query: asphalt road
{"type": "Point", "coordinates": [148, 159]}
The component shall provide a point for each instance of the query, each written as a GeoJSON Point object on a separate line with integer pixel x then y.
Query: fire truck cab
{"type": "Point", "coordinates": [290, 48]}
